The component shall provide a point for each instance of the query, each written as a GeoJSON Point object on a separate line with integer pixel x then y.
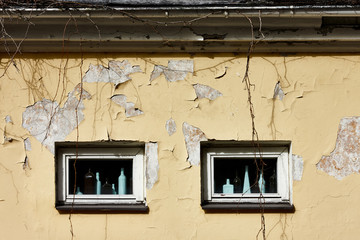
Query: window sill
{"type": "Point", "coordinates": [248, 207]}
{"type": "Point", "coordinates": [115, 208]}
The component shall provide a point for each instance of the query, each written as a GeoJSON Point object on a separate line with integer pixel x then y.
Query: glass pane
{"type": "Point", "coordinates": [108, 172]}
{"type": "Point", "coordinates": [234, 170]}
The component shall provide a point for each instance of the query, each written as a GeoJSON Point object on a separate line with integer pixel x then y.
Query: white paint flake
{"type": "Point", "coordinates": [278, 91]}
{"type": "Point", "coordinates": [8, 119]}
{"type": "Point", "coordinates": [345, 159]}
{"type": "Point", "coordinates": [152, 164]}
{"type": "Point", "coordinates": [116, 73]}
{"type": "Point", "coordinates": [170, 126]}
{"type": "Point", "coordinates": [119, 71]}
{"type": "Point", "coordinates": [298, 167]}
{"type": "Point", "coordinates": [193, 136]}
{"type": "Point", "coordinates": [47, 122]}
{"type": "Point", "coordinates": [27, 144]}
{"type": "Point", "coordinates": [175, 71]}
{"type": "Point", "coordinates": [130, 110]}
{"type": "Point", "coordinates": [203, 91]}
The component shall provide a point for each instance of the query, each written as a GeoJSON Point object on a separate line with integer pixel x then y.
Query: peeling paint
{"type": "Point", "coordinates": [7, 139]}
{"type": "Point", "coordinates": [203, 91]}
{"type": "Point", "coordinates": [152, 164]}
{"type": "Point", "coordinates": [175, 71]}
{"type": "Point", "coordinates": [345, 159]}
{"type": "Point", "coordinates": [130, 110]}
{"type": "Point", "coordinates": [117, 72]}
{"type": "Point", "coordinates": [27, 144]}
{"type": "Point", "coordinates": [8, 119]}
{"type": "Point", "coordinates": [298, 167]}
{"type": "Point", "coordinates": [170, 126]}
{"type": "Point", "coordinates": [278, 91]}
{"type": "Point", "coordinates": [47, 122]}
{"type": "Point", "coordinates": [193, 136]}
{"type": "Point", "coordinates": [26, 164]}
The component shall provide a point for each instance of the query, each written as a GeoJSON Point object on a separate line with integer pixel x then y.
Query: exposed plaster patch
{"type": "Point", "coordinates": [27, 144]}
{"type": "Point", "coordinates": [175, 71]}
{"type": "Point", "coordinates": [193, 136]}
{"type": "Point", "coordinates": [96, 73]}
{"type": "Point", "coordinates": [8, 119]}
{"type": "Point", "coordinates": [130, 110]}
{"type": "Point", "coordinates": [203, 91]}
{"type": "Point", "coordinates": [345, 159]}
{"type": "Point", "coordinates": [298, 167]}
{"type": "Point", "coordinates": [152, 164]}
{"type": "Point", "coordinates": [278, 91]}
{"type": "Point", "coordinates": [170, 126]}
{"type": "Point", "coordinates": [117, 72]}
{"type": "Point", "coordinates": [47, 122]}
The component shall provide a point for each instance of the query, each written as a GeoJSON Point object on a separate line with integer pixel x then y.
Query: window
{"type": "Point", "coordinates": [108, 176]}
{"type": "Point", "coordinates": [234, 179]}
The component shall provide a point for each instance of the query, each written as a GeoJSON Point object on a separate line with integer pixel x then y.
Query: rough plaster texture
{"type": "Point", "coordinates": [320, 90]}
{"type": "Point", "coordinates": [152, 164]}
{"type": "Point", "coordinates": [345, 159]}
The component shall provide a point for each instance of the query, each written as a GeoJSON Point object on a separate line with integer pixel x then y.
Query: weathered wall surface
{"type": "Point", "coordinates": [174, 100]}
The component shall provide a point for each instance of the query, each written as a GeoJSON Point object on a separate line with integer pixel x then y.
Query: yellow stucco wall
{"type": "Point", "coordinates": [320, 91]}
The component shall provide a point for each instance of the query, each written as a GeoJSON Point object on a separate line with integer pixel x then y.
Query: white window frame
{"type": "Point", "coordinates": [64, 155]}
{"type": "Point", "coordinates": [283, 169]}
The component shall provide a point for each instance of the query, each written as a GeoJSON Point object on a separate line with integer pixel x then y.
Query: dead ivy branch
{"type": "Point", "coordinates": [254, 134]}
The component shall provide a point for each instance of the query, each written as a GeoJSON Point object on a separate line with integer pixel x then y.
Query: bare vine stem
{"type": "Point", "coordinates": [254, 133]}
